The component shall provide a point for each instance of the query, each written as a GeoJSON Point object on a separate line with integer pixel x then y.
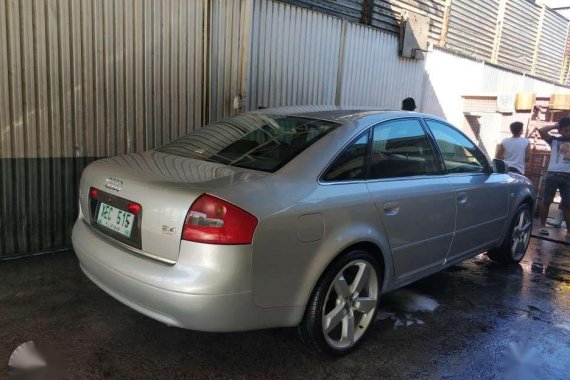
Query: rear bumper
{"type": "Point", "coordinates": [208, 289]}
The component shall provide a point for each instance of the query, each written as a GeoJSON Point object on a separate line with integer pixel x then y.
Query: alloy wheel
{"type": "Point", "coordinates": [520, 237]}
{"type": "Point", "coordinates": [350, 304]}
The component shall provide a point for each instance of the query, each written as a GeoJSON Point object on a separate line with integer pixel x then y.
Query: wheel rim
{"type": "Point", "coordinates": [350, 304]}
{"type": "Point", "coordinates": [521, 235]}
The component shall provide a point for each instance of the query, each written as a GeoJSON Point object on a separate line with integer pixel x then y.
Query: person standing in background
{"type": "Point", "coordinates": [515, 150]}
{"type": "Point", "coordinates": [558, 174]}
{"type": "Point", "coordinates": [408, 104]}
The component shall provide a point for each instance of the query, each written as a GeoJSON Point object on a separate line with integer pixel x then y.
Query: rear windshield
{"type": "Point", "coordinates": [253, 141]}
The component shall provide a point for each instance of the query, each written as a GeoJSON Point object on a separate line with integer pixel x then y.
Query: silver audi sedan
{"type": "Point", "coordinates": [297, 216]}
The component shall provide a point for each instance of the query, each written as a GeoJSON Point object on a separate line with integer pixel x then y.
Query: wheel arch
{"type": "Point", "coordinates": [529, 200]}
{"type": "Point", "coordinates": [382, 255]}
{"type": "Point", "coordinates": [524, 197]}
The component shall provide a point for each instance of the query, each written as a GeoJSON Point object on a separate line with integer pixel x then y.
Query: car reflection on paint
{"type": "Point", "coordinates": [295, 217]}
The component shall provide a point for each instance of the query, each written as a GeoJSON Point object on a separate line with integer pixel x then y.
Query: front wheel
{"type": "Point", "coordinates": [343, 304]}
{"type": "Point", "coordinates": [516, 243]}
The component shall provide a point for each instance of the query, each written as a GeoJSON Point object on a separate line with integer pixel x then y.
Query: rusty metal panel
{"type": "Point", "coordinates": [518, 35]}
{"type": "Point", "coordinates": [294, 56]}
{"type": "Point", "coordinates": [472, 27]}
{"type": "Point", "coordinates": [347, 9]}
{"type": "Point", "coordinates": [388, 13]}
{"type": "Point", "coordinates": [552, 46]}
{"type": "Point", "coordinates": [83, 79]}
{"type": "Point", "coordinates": [373, 73]}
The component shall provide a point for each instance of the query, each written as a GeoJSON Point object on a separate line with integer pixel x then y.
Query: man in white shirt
{"type": "Point", "coordinates": [558, 174]}
{"type": "Point", "coordinates": [515, 151]}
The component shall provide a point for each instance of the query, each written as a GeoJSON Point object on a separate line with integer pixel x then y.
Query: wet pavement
{"type": "Point", "coordinates": [477, 320]}
{"type": "Point", "coordinates": [555, 234]}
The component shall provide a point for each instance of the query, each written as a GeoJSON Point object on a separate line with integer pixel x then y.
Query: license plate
{"type": "Point", "coordinates": [114, 219]}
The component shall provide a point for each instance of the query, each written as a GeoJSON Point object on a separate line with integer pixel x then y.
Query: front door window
{"type": "Point", "coordinates": [459, 154]}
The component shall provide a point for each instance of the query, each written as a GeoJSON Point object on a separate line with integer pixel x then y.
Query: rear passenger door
{"type": "Point", "coordinates": [481, 196]}
{"type": "Point", "coordinates": [410, 194]}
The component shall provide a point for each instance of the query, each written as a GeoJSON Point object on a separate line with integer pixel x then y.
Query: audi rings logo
{"type": "Point", "coordinates": [114, 184]}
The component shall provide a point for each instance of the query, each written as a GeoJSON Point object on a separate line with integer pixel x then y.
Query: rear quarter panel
{"type": "Point", "coordinates": [285, 269]}
{"type": "Point", "coordinates": [520, 190]}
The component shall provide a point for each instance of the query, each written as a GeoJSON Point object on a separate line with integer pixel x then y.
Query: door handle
{"type": "Point", "coordinates": [391, 208]}
{"type": "Point", "coordinates": [462, 198]}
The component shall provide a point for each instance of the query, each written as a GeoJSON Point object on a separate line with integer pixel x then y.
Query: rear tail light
{"type": "Point", "coordinates": [93, 193]}
{"type": "Point", "coordinates": [134, 208]}
{"type": "Point", "coordinates": [215, 221]}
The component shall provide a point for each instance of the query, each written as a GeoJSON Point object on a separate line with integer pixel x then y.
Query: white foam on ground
{"type": "Point", "coordinates": [416, 302]}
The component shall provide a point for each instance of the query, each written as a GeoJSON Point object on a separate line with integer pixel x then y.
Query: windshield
{"type": "Point", "coordinates": [253, 141]}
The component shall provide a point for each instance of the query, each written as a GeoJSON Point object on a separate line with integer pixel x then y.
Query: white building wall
{"type": "Point", "coordinates": [450, 77]}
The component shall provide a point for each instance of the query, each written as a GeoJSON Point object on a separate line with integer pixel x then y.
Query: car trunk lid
{"type": "Point", "coordinates": [164, 186]}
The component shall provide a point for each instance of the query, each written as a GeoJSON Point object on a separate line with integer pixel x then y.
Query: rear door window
{"type": "Point", "coordinates": [351, 164]}
{"type": "Point", "coordinates": [253, 141]}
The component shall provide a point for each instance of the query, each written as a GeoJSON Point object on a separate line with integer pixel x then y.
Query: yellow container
{"type": "Point", "coordinates": [524, 101]}
{"type": "Point", "coordinates": [559, 102]}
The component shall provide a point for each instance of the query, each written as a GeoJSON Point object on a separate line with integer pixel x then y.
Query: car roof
{"type": "Point", "coordinates": [341, 114]}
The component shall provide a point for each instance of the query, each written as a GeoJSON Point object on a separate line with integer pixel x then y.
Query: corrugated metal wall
{"type": "Point", "coordinates": [472, 27]}
{"type": "Point", "coordinates": [348, 9]}
{"type": "Point", "coordinates": [552, 46]}
{"type": "Point", "coordinates": [294, 56]}
{"type": "Point", "coordinates": [373, 74]}
{"type": "Point", "coordinates": [81, 80]}
{"type": "Point", "coordinates": [225, 57]}
{"type": "Point", "coordinates": [518, 35]}
{"type": "Point", "coordinates": [567, 59]}
{"type": "Point", "coordinates": [83, 70]}
{"type": "Point", "coordinates": [498, 31]}
{"type": "Point", "coordinates": [388, 13]}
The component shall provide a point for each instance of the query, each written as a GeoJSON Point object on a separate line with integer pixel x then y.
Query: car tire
{"type": "Point", "coordinates": [343, 305]}
{"type": "Point", "coordinates": [515, 244]}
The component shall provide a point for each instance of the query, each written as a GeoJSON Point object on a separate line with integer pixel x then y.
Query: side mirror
{"type": "Point", "coordinates": [500, 166]}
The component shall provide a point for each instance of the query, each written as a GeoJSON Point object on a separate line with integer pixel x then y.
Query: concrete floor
{"type": "Point", "coordinates": [486, 321]}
